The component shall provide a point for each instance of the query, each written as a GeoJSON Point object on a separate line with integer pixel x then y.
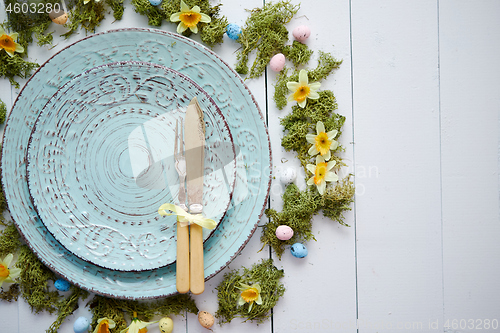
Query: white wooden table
{"type": "Point", "coordinates": [420, 88]}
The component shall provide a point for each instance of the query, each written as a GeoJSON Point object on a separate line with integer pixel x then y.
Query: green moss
{"type": "Point", "coordinates": [298, 53]}
{"type": "Point", "coordinates": [213, 33]}
{"type": "Point", "coordinates": [10, 240]}
{"type": "Point", "coordinates": [12, 294]}
{"type": "Point", "coordinates": [87, 16]}
{"type": "Point", "coordinates": [66, 307]}
{"type": "Point", "coordinates": [154, 14]}
{"type": "Point", "coordinates": [264, 32]}
{"type": "Point", "coordinates": [116, 309]}
{"type": "Point", "coordinates": [14, 67]}
{"type": "Point", "coordinates": [264, 273]}
{"type": "Point", "coordinates": [34, 282]}
{"type": "Point", "coordinates": [3, 113]}
{"type": "Point", "coordinates": [117, 7]}
{"type": "Point", "coordinates": [326, 64]}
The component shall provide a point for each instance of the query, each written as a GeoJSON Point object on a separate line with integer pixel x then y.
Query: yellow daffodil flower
{"type": "Point", "coordinates": [7, 42]}
{"type": "Point", "coordinates": [323, 142]}
{"type": "Point", "coordinates": [8, 274]}
{"type": "Point", "coordinates": [303, 90]}
{"type": "Point", "coordinates": [103, 325]}
{"type": "Point", "coordinates": [321, 173]}
{"type": "Point", "coordinates": [137, 326]}
{"type": "Point", "coordinates": [189, 18]}
{"type": "Point", "coordinates": [250, 294]}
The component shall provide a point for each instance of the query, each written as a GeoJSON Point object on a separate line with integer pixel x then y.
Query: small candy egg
{"type": "Point", "coordinates": [233, 31]}
{"type": "Point", "coordinates": [288, 176]}
{"type": "Point", "coordinates": [81, 325]}
{"type": "Point", "coordinates": [206, 319]}
{"type": "Point", "coordinates": [166, 325]}
{"type": "Point", "coordinates": [155, 2]}
{"type": "Point", "coordinates": [58, 16]}
{"type": "Point", "coordinates": [62, 285]}
{"type": "Point", "coordinates": [277, 62]}
{"type": "Point", "coordinates": [284, 232]}
{"type": "Point", "coordinates": [298, 250]}
{"type": "Point", "coordinates": [301, 33]}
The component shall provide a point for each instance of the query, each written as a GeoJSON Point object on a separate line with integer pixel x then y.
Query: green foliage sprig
{"type": "Point", "coordinates": [298, 53]}
{"type": "Point", "coordinates": [265, 32]}
{"type": "Point", "coordinates": [268, 277]}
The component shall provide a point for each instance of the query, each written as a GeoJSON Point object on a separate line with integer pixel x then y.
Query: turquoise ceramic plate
{"type": "Point", "coordinates": [230, 94]}
{"type": "Point", "coordinates": [101, 162]}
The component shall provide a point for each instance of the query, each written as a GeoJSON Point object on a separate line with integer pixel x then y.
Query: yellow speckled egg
{"type": "Point", "coordinates": [206, 319]}
{"type": "Point", "coordinates": [166, 325]}
{"type": "Point", "coordinates": [58, 16]}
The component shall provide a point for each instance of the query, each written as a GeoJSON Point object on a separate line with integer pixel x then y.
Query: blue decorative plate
{"type": "Point", "coordinates": [101, 162]}
{"type": "Point", "coordinates": [246, 124]}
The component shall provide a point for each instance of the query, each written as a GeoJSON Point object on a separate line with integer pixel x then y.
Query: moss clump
{"type": "Point", "coordinates": [298, 209]}
{"type": "Point", "coordinates": [3, 113]}
{"type": "Point", "coordinates": [34, 282]}
{"type": "Point", "coordinates": [16, 66]}
{"type": "Point", "coordinates": [66, 307]}
{"type": "Point", "coordinates": [12, 294]}
{"type": "Point", "coordinates": [116, 309]}
{"type": "Point", "coordinates": [298, 53]}
{"type": "Point", "coordinates": [326, 64]}
{"type": "Point", "coordinates": [10, 240]}
{"type": "Point", "coordinates": [154, 14]}
{"type": "Point", "coordinates": [117, 7]}
{"type": "Point", "coordinates": [265, 32]}
{"type": "Point", "coordinates": [302, 121]}
{"type": "Point", "coordinates": [87, 16]}
{"type": "Point", "coordinates": [268, 277]}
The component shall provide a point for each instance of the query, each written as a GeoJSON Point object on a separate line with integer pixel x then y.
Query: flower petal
{"type": "Point", "coordinates": [293, 86]}
{"type": "Point", "coordinates": [310, 181]}
{"type": "Point", "coordinates": [19, 48]}
{"type": "Point", "coordinates": [320, 127]}
{"type": "Point", "coordinates": [303, 79]}
{"type": "Point", "coordinates": [315, 85]}
{"type": "Point", "coordinates": [334, 145]}
{"type": "Point", "coordinates": [303, 103]}
{"type": "Point", "coordinates": [290, 98]}
{"type": "Point", "coordinates": [241, 301]}
{"type": "Point", "coordinates": [196, 9]}
{"type": "Point", "coordinates": [14, 35]}
{"type": "Point", "coordinates": [331, 177]}
{"type": "Point", "coordinates": [319, 159]}
{"type": "Point", "coordinates": [194, 29]}
{"type": "Point", "coordinates": [310, 138]}
{"type": "Point", "coordinates": [181, 28]}
{"type": "Point", "coordinates": [330, 165]}
{"type": "Point", "coordinates": [175, 17]}
{"type": "Point", "coordinates": [313, 95]}
{"type": "Point", "coordinates": [259, 300]}
{"type": "Point", "coordinates": [14, 272]}
{"type": "Point", "coordinates": [184, 7]}
{"type": "Point", "coordinates": [205, 18]}
{"type": "Point", "coordinates": [311, 168]}
{"type": "Point", "coordinates": [2, 31]}
{"type": "Point", "coordinates": [332, 134]}
{"type": "Point", "coordinates": [327, 156]}
{"type": "Point", "coordinates": [321, 187]}
{"type": "Point", "coordinates": [313, 151]}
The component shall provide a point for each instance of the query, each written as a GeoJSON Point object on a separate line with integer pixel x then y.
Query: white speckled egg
{"type": "Point", "coordinates": [284, 232]}
{"type": "Point", "coordinates": [81, 325]}
{"type": "Point", "coordinates": [301, 33]}
{"type": "Point", "coordinates": [288, 176]}
{"type": "Point", "coordinates": [166, 325]}
{"type": "Point", "coordinates": [206, 319]}
{"type": "Point", "coordinates": [277, 62]}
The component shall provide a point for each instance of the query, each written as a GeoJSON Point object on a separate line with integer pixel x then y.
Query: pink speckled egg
{"type": "Point", "coordinates": [301, 33]}
{"type": "Point", "coordinates": [284, 232]}
{"type": "Point", "coordinates": [277, 62]}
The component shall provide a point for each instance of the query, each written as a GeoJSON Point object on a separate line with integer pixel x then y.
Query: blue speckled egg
{"type": "Point", "coordinates": [155, 2]}
{"type": "Point", "coordinates": [81, 325]}
{"type": "Point", "coordinates": [62, 285]}
{"type": "Point", "coordinates": [233, 31]}
{"type": "Point", "coordinates": [298, 250]}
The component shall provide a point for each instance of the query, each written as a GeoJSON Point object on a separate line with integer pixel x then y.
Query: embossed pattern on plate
{"type": "Point", "coordinates": [100, 163]}
{"type": "Point", "coordinates": [245, 121]}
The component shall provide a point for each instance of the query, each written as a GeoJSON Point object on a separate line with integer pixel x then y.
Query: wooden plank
{"type": "Point", "coordinates": [321, 288]}
{"type": "Point", "coordinates": [397, 156]}
{"type": "Point", "coordinates": [469, 36]}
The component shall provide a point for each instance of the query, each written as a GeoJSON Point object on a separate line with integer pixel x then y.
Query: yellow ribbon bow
{"type": "Point", "coordinates": [185, 218]}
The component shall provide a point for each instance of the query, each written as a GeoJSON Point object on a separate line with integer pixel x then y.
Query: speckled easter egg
{"type": "Point", "coordinates": [155, 2]}
{"type": "Point", "coordinates": [298, 250]}
{"type": "Point", "coordinates": [166, 325]}
{"type": "Point", "coordinates": [62, 285]}
{"type": "Point", "coordinates": [284, 232]}
{"type": "Point", "coordinates": [206, 319]}
{"type": "Point", "coordinates": [233, 31]}
{"type": "Point", "coordinates": [81, 325]}
{"type": "Point", "coordinates": [277, 62]}
{"type": "Point", "coordinates": [301, 33]}
{"type": "Point", "coordinates": [288, 176]}
{"type": "Point", "coordinates": [58, 16]}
